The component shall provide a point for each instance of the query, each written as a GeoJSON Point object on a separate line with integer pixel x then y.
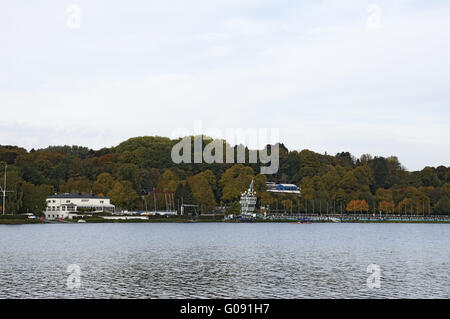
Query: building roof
{"type": "Point", "coordinates": [76, 195]}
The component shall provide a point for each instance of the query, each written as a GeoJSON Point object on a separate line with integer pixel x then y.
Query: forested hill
{"type": "Point", "coordinates": [144, 163]}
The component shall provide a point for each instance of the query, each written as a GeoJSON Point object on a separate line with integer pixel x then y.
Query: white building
{"type": "Point", "coordinates": [66, 205]}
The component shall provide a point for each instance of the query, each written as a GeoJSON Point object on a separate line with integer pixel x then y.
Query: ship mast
{"type": "Point", "coordinates": [4, 191]}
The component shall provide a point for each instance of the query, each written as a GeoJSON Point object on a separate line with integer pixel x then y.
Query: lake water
{"type": "Point", "coordinates": [217, 260]}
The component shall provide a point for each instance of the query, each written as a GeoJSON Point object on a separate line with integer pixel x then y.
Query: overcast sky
{"type": "Point", "coordinates": [332, 75]}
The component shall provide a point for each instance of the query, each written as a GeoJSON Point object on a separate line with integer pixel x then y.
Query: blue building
{"type": "Point", "coordinates": [283, 188]}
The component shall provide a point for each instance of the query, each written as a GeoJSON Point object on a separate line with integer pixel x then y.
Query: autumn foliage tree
{"type": "Point", "coordinates": [123, 195]}
{"type": "Point", "coordinates": [202, 190]}
{"type": "Point", "coordinates": [234, 181]}
{"type": "Point", "coordinates": [385, 206]}
{"type": "Point", "coordinates": [138, 165]}
{"type": "Point", "coordinates": [357, 206]}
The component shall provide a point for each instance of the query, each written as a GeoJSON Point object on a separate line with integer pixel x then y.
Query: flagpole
{"type": "Point", "coordinates": [4, 191]}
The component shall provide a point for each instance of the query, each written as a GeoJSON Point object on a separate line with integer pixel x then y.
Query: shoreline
{"type": "Point", "coordinates": [188, 221]}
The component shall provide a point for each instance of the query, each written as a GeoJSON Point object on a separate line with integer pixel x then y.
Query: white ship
{"type": "Point", "coordinates": [248, 202]}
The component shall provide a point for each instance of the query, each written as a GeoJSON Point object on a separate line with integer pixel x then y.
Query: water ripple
{"type": "Point", "coordinates": [225, 260]}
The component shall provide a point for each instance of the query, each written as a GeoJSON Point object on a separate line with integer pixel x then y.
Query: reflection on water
{"type": "Point", "coordinates": [225, 260]}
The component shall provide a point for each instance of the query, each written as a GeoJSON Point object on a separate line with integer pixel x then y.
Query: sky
{"type": "Point", "coordinates": [358, 76]}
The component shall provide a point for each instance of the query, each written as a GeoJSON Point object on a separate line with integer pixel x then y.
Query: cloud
{"type": "Point", "coordinates": [314, 70]}
{"type": "Point", "coordinates": [219, 50]}
{"type": "Point", "coordinates": [213, 37]}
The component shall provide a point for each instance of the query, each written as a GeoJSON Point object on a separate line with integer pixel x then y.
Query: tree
{"type": "Point", "coordinates": [411, 200]}
{"type": "Point", "coordinates": [384, 195]}
{"type": "Point", "coordinates": [168, 181]}
{"type": "Point", "coordinates": [104, 183]}
{"type": "Point", "coordinates": [202, 191]}
{"type": "Point", "coordinates": [357, 206]}
{"type": "Point", "coordinates": [149, 178]}
{"type": "Point", "coordinates": [365, 159]}
{"type": "Point", "coordinates": [234, 181]}
{"type": "Point", "coordinates": [397, 174]}
{"type": "Point", "coordinates": [183, 194]}
{"type": "Point", "coordinates": [350, 184]}
{"type": "Point", "coordinates": [287, 204]}
{"type": "Point", "coordinates": [307, 187]}
{"type": "Point", "coordinates": [442, 173]}
{"type": "Point", "coordinates": [260, 185]}
{"type": "Point", "coordinates": [443, 206]}
{"type": "Point", "coordinates": [146, 163]}
{"type": "Point", "coordinates": [154, 151]}
{"type": "Point", "coordinates": [330, 181]}
{"type": "Point", "coordinates": [234, 208]}
{"type": "Point", "coordinates": [385, 206]}
{"type": "Point", "coordinates": [267, 199]}
{"type": "Point", "coordinates": [28, 170]}
{"type": "Point", "coordinates": [429, 177]}
{"type": "Point", "coordinates": [77, 185]}
{"type": "Point", "coordinates": [14, 199]}
{"type": "Point", "coordinates": [340, 196]}
{"type": "Point", "coordinates": [380, 172]}
{"type": "Point", "coordinates": [309, 164]}
{"type": "Point", "coordinates": [345, 159]}
{"type": "Point", "coordinates": [403, 205]}
{"type": "Point", "coordinates": [291, 167]}
{"type": "Point", "coordinates": [130, 172]}
{"type": "Point", "coordinates": [364, 177]}
{"type": "Point", "coordinates": [188, 195]}
{"type": "Point", "coordinates": [128, 157]}
{"type": "Point", "coordinates": [179, 193]}
{"type": "Point", "coordinates": [123, 195]}
{"type": "Point", "coordinates": [34, 197]}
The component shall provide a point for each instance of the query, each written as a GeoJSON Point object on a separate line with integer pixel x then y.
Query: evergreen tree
{"type": "Point", "coordinates": [380, 172]}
